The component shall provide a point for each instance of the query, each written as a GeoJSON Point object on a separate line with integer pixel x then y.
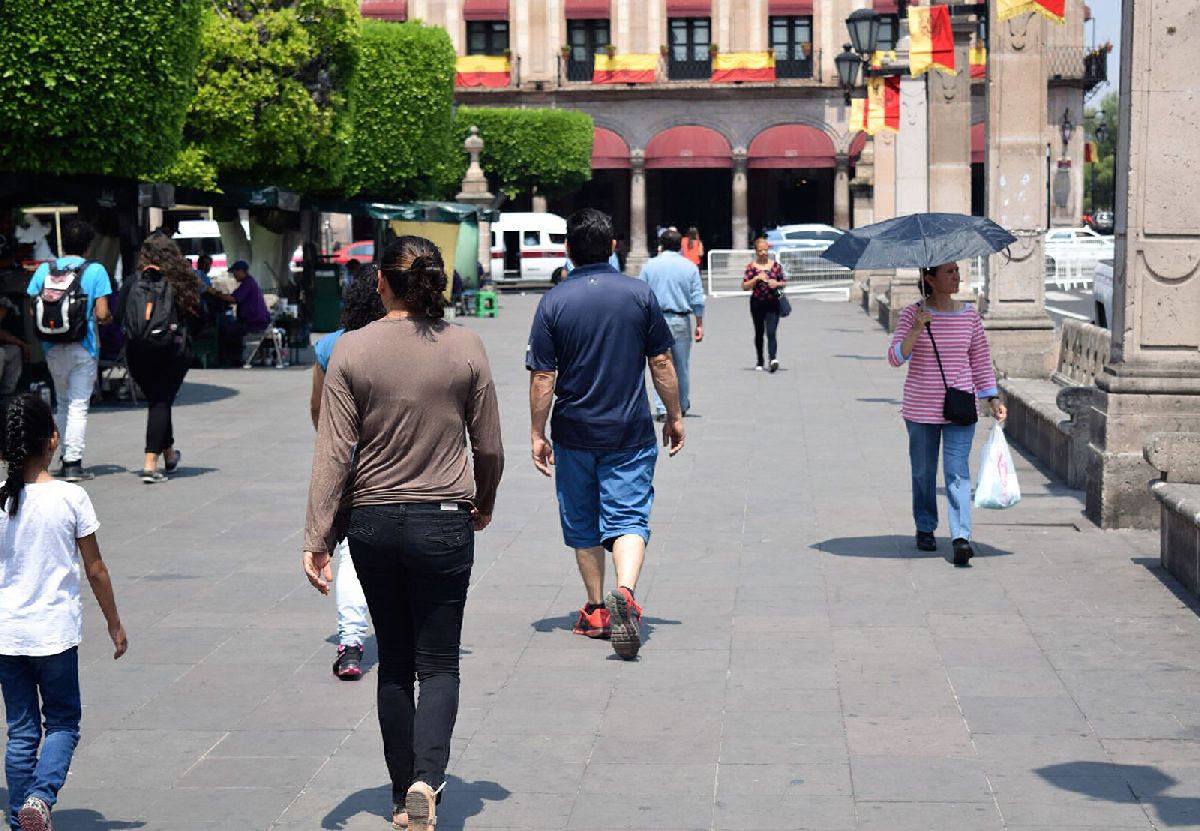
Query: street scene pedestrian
{"type": "Point", "coordinates": [70, 297]}
{"type": "Point", "coordinates": [943, 342]}
{"type": "Point", "coordinates": [675, 281]}
{"type": "Point", "coordinates": [393, 442]}
{"type": "Point", "coordinates": [764, 279]}
{"type": "Point", "coordinates": [45, 527]}
{"type": "Point", "coordinates": [250, 313]}
{"type": "Point", "coordinates": [361, 305]}
{"type": "Point", "coordinates": [590, 342]}
{"type": "Point", "coordinates": [692, 248]}
{"type": "Point", "coordinates": [159, 307]}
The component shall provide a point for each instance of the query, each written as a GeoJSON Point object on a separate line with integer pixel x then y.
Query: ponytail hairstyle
{"type": "Point", "coordinates": [416, 274]}
{"type": "Point", "coordinates": [28, 428]}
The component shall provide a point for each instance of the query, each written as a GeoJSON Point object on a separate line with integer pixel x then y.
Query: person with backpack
{"type": "Point", "coordinates": [159, 305]}
{"type": "Point", "coordinates": [44, 528]}
{"type": "Point", "coordinates": [69, 297]}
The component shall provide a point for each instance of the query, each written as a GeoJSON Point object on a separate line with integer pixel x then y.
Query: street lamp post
{"type": "Point", "coordinates": [1067, 127]}
{"type": "Point", "coordinates": [848, 64]}
{"type": "Point", "coordinates": [1101, 134]}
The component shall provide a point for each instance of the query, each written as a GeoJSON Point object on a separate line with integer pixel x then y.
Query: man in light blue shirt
{"type": "Point", "coordinates": [73, 365]}
{"type": "Point", "coordinates": [675, 281]}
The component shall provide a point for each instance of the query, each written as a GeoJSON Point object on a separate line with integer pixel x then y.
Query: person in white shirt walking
{"type": "Point", "coordinates": [675, 281]}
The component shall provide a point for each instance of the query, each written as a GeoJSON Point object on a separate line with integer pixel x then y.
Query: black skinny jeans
{"type": "Point", "coordinates": [159, 371]}
{"type": "Point", "coordinates": [414, 562]}
{"type": "Point", "coordinates": [766, 318]}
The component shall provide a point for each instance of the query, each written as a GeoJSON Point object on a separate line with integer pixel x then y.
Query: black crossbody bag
{"type": "Point", "coordinates": [959, 407]}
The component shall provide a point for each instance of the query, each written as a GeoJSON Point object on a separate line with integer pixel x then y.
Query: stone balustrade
{"type": "Point", "coordinates": [1177, 457]}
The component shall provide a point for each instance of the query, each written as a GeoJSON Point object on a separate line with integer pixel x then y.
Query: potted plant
{"type": "Point", "coordinates": [610, 50]}
{"type": "Point", "coordinates": [507, 53]}
{"type": "Point", "coordinates": [664, 50]}
{"type": "Point", "coordinates": [806, 48]}
{"type": "Point", "coordinates": [713, 50]}
{"type": "Point", "coordinates": [565, 51]}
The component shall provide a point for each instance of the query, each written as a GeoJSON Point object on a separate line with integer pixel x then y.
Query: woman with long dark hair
{"type": "Point", "coordinates": [399, 396]}
{"type": "Point", "coordinates": [159, 357]}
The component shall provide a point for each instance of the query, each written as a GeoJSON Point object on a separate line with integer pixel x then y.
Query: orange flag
{"type": "Point", "coordinates": [931, 40]}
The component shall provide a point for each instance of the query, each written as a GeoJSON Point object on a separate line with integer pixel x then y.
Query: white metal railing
{"type": "Point", "coordinates": [1072, 266]}
{"type": "Point", "coordinates": [805, 271]}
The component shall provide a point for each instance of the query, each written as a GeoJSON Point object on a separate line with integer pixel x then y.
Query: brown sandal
{"type": "Point", "coordinates": [421, 804]}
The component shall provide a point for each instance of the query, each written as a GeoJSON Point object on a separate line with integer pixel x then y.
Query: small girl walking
{"type": "Point", "coordinates": [42, 523]}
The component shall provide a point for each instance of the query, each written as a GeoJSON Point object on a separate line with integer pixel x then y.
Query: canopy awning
{"type": "Point", "coordinates": [791, 146]}
{"type": "Point", "coordinates": [790, 8]}
{"type": "Point", "coordinates": [588, 10]}
{"type": "Point", "coordinates": [384, 9]}
{"type": "Point", "coordinates": [689, 8]}
{"type": "Point", "coordinates": [609, 151]}
{"type": "Point", "coordinates": [485, 10]}
{"type": "Point", "coordinates": [856, 147]}
{"type": "Point", "coordinates": [688, 147]}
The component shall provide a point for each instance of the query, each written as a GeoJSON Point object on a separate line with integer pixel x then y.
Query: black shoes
{"type": "Point", "coordinates": [71, 471]}
{"type": "Point", "coordinates": [926, 541]}
{"type": "Point", "coordinates": [348, 665]}
{"type": "Point", "coordinates": [171, 466]}
{"type": "Point", "coordinates": [962, 552]}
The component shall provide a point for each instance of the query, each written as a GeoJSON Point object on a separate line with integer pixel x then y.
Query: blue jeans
{"type": "Point", "coordinates": [681, 353]}
{"type": "Point", "coordinates": [923, 444]}
{"type": "Point", "coordinates": [56, 679]}
{"type": "Point", "coordinates": [602, 495]}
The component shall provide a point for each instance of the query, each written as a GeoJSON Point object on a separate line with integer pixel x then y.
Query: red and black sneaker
{"type": "Point", "coordinates": [348, 665]}
{"type": "Point", "coordinates": [593, 622]}
{"type": "Point", "coordinates": [626, 617]}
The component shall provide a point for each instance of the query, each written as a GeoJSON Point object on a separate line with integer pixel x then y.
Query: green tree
{"type": "Point", "coordinates": [549, 151]}
{"type": "Point", "coordinates": [95, 86]}
{"type": "Point", "coordinates": [403, 98]}
{"type": "Point", "coordinates": [1101, 172]}
{"type": "Point", "coordinates": [272, 102]}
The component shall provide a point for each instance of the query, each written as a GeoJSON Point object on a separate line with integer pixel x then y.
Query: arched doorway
{"type": "Point", "coordinates": [608, 189]}
{"type": "Point", "coordinates": [791, 176]}
{"type": "Point", "coordinates": [689, 181]}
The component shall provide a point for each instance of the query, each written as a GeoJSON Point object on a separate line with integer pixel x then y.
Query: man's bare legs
{"type": "Point", "coordinates": [629, 552]}
{"type": "Point", "coordinates": [591, 569]}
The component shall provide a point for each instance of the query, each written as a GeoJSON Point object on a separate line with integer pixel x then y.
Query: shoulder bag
{"type": "Point", "coordinates": [959, 407]}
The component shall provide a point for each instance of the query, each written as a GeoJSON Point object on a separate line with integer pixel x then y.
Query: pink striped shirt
{"type": "Point", "coordinates": [966, 360]}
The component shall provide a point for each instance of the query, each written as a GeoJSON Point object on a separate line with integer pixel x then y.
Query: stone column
{"type": "Point", "coordinates": [862, 187]}
{"type": "Point", "coordinates": [741, 219]}
{"type": "Point", "coordinates": [949, 143]}
{"type": "Point", "coordinates": [883, 206]}
{"type": "Point", "coordinates": [638, 253]}
{"type": "Point", "coordinates": [1020, 333]}
{"type": "Point", "coordinates": [475, 192]}
{"type": "Point", "coordinates": [1152, 381]}
{"type": "Point", "coordinates": [912, 149]}
{"type": "Point", "coordinates": [841, 192]}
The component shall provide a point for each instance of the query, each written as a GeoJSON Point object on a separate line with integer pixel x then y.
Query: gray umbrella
{"type": "Point", "coordinates": [918, 241]}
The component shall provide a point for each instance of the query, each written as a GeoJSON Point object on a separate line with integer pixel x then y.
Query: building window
{"type": "Point", "coordinates": [791, 38]}
{"type": "Point", "coordinates": [487, 37]}
{"type": "Point", "coordinates": [889, 32]}
{"type": "Point", "coordinates": [586, 38]}
{"type": "Point", "coordinates": [690, 41]}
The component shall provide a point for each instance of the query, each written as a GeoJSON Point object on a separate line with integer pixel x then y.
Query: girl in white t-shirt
{"type": "Point", "coordinates": [43, 522]}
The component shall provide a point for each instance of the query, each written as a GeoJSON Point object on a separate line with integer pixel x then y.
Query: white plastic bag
{"type": "Point", "coordinates": [997, 487]}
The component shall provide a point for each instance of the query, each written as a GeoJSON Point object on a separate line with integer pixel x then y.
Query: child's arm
{"type": "Point", "coordinates": [97, 574]}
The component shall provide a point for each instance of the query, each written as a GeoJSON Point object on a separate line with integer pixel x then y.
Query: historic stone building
{"type": "Point", "coordinates": [676, 145]}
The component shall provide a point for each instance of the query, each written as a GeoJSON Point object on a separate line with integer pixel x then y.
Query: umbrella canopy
{"type": "Point", "coordinates": [918, 241]}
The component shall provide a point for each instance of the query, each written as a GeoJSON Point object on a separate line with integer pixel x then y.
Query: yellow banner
{"type": "Point", "coordinates": [858, 115]}
{"type": "Point", "coordinates": [743, 60]}
{"type": "Point", "coordinates": [626, 63]}
{"type": "Point", "coordinates": [472, 64]}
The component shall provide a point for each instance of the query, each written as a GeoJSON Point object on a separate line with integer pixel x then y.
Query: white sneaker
{"type": "Point", "coordinates": [758, 368]}
{"type": "Point", "coordinates": [774, 364]}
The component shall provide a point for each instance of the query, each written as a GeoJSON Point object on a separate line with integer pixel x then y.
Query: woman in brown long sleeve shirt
{"type": "Point", "coordinates": [401, 397]}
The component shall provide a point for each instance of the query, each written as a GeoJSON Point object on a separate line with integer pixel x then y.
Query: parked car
{"type": "Point", "coordinates": [1072, 254]}
{"type": "Point", "coordinates": [362, 250]}
{"type": "Point", "coordinates": [1102, 222]}
{"type": "Point", "coordinates": [528, 247]}
{"type": "Point", "coordinates": [1102, 292]}
{"type": "Point", "coordinates": [798, 248]}
{"type": "Point", "coordinates": [201, 236]}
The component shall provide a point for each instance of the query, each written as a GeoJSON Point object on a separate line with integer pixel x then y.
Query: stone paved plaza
{"type": "Point", "coordinates": [806, 668]}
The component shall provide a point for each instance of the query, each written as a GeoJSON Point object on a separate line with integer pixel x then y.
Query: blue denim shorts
{"type": "Point", "coordinates": [604, 495]}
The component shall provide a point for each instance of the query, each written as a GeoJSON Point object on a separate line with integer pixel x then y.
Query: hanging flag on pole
{"type": "Point", "coordinates": [883, 104]}
{"type": "Point", "coordinates": [978, 60]}
{"type": "Point", "coordinates": [858, 116]}
{"type": "Point", "coordinates": [1051, 9]}
{"type": "Point", "coordinates": [1091, 152]}
{"type": "Point", "coordinates": [931, 40]}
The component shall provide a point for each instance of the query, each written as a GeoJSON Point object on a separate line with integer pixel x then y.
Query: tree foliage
{"type": "Point", "coordinates": [1104, 169]}
{"type": "Point", "coordinates": [272, 103]}
{"type": "Point", "coordinates": [95, 86]}
{"type": "Point", "coordinates": [550, 150]}
{"type": "Point", "coordinates": [403, 98]}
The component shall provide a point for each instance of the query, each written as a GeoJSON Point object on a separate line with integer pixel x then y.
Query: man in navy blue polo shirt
{"type": "Point", "coordinates": [591, 339]}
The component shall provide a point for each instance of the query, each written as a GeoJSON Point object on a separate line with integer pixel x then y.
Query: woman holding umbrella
{"type": "Point", "coordinates": [943, 342]}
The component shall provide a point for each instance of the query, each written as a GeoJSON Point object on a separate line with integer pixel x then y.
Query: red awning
{"type": "Point", "coordinates": [588, 9]}
{"type": "Point", "coordinates": [384, 9]}
{"type": "Point", "coordinates": [609, 151]}
{"type": "Point", "coordinates": [689, 8]}
{"type": "Point", "coordinates": [978, 142]}
{"type": "Point", "coordinates": [887, 7]}
{"type": "Point", "coordinates": [791, 146]}
{"type": "Point", "coordinates": [688, 147]}
{"type": "Point", "coordinates": [485, 9]}
{"type": "Point", "coordinates": [786, 8]}
{"type": "Point", "coordinates": [856, 146]}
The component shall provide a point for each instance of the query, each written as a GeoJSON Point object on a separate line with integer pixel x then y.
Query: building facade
{"type": "Point", "coordinates": [679, 143]}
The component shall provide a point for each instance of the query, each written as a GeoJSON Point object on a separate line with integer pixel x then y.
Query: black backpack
{"type": "Point", "coordinates": [149, 315]}
{"type": "Point", "coordinates": [61, 308]}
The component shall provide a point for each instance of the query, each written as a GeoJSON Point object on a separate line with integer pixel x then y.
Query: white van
{"type": "Point", "coordinates": [528, 247]}
{"type": "Point", "coordinates": [201, 236]}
